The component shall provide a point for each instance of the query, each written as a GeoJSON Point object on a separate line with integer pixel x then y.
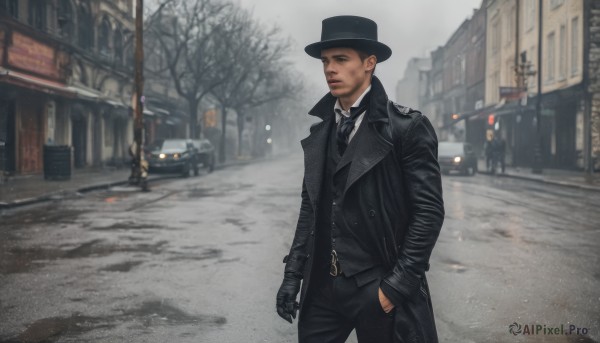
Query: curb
{"type": "Point", "coordinates": [101, 186]}
{"type": "Point", "coordinates": [548, 182]}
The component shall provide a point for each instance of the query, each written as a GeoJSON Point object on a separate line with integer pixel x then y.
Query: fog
{"type": "Point", "coordinates": [411, 28]}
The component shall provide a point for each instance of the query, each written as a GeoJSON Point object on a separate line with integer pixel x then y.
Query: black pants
{"type": "Point", "coordinates": [336, 305]}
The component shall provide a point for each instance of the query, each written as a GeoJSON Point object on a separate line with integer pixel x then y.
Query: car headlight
{"type": "Point", "coordinates": [457, 159]}
{"type": "Point", "coordinates": [176, 156]}
{"type": "Point", "coordinates": [162, 156]}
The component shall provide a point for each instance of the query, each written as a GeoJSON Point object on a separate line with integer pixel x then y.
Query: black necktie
{"type": "Point", "coordinates": [346, 125]}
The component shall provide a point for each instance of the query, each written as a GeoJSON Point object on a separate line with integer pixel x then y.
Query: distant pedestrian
{"type": "Point", "coordinates": [371, 208]}
{"type": "Point", "coordinates": [489, 155]}
{"type": "Point", "coordinates": [498, 154]}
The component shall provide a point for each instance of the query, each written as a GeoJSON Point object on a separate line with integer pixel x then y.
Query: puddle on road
{"type": "Point", "coordinates": [160, 312]}
{"type": "Point", "coordinates": [502, 233]}
{"type": "Point", "coordinates": [130, 225]}
{"type": "Point", "coordinates": [51, 329]}
{"type": "Point", "coordinates": [150, 313]}
{"type": "Point", "coordinates": [204, 255]}
{"type": "Point", "coordinates": [212, 192]}
{"type": "Point", "coordinates": [454, 266]}
{"type": "Point", "coordinates": [19, 260]}
{"type": "Point", "coordinates": [244, 243]}
{"type": "Point", "coordinates": [239, 223]}
{"type": "Point", "coordinates": [48, 215]}
{"type": "Point", "coordinates": [201, 192]}
{"type": "Point", "coordinates": [229, 260]}
{"type": "Point", "coordinates": [123, 267]}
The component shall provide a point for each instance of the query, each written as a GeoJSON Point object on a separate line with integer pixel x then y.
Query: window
{"type": "Point", "coordinates": [64, 17]}
{"type": "Point", "coordinates": [511, 25]}
{"type": "Point", "coordinates": [104, 37]}
{"type": "Point", "coordinates": [37, 14]}
{"type": "Point", "coordinates": [575, 46]}
{"type": "Point", "coordinates": [86, 35]}
{"type": "Point", "coordinates": [533, 58]}
{"type": "Point", "coordinates": [118, 45]}
{"type": "Point", "coordinates": [458, 70]}
{"type": "Point", "coordinates": [530, 8]}
{"type": "Point", "coordinates": [555, 3]}
{"type": "Point", "coordinates": [108, 132]}
{"type": "Point", "coordinates": [495, 87]}
{"type": "Point", "coordinates": [128, 48]}
{"type": "Point", "coordinates": [510, 72]}
{"type": "Point", "coordinates": [562, 57]}
{"type": "Point", "coordinates": [550, 49]}
{"type": "Point", "coordinates": [11, 7]}
{"type": "Point", "coordinates": [496, 36]}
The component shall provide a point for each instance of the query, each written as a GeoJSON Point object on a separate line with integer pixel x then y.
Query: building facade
{"type": "Point", "coordinates": [65, 78]}
{"type": "Point", "coordinates": [66, 72]}
{"type": "Point", "coordinates": [412, 85]}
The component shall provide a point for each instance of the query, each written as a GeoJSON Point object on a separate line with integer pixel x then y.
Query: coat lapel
{"type": "Point", "coordinates": [314, 158]}
{"type": "Point", "coordinates": [371, 148]}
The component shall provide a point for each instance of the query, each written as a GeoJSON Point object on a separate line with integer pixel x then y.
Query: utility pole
{"type": "Point", "coordinates": [537, 151]}
{"type": "Point", "coordinates": [139, 166]}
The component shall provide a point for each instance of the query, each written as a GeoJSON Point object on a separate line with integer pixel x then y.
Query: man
{"type": "Point", "coordinates": [498, 153]}
{"type": "Point", "coordinates": [371, 206]}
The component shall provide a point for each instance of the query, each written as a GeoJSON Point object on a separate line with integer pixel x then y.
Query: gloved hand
{"type": "Point", "coordinates": [286, 296]}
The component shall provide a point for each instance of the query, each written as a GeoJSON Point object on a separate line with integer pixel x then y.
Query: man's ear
{"type": "Point", "coordinates": [371, 62]}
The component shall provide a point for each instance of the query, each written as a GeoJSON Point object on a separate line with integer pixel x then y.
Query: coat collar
{"type": "Point", "coordinates": [368, 147]}
{"type": "Point", "coordinates": [377, 104]}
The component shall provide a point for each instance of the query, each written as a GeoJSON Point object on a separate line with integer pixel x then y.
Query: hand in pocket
{"type": "Point", "coordinates": [386, 304]}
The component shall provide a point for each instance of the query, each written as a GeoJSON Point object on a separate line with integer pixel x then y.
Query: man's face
{"type": "Point", "coordinates": [345, 72]}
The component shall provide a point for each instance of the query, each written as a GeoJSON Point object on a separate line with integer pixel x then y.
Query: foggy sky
{"type": "Point", "coordinates": [411, 28]}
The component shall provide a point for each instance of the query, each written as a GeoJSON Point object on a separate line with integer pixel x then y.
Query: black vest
{"type": "Point", "coordinates": [334, 231]}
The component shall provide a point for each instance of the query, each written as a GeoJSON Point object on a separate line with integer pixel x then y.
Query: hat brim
{"type": "Point", "coordinates": [380, 50]}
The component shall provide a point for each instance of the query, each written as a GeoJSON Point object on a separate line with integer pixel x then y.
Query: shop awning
{"type": "Point", "coordinates": [35, 83]}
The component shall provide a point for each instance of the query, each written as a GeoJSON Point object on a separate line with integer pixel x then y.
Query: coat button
{"type": "Point", "coordinates": [372, 213]}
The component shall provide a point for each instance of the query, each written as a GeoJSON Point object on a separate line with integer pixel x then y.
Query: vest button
{"type": "Point", "coordinates": [372, 213]}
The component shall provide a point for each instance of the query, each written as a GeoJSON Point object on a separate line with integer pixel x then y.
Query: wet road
{"type": "Point", "coordinates": [199, 260]}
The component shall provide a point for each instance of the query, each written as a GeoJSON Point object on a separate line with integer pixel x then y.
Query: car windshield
{"type": "Point", "coordinates": [450, 149]}
{"type": "Point", "coordinates": [174, 144]}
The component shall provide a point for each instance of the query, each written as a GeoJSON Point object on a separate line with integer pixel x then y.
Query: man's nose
{"type": "Point", "coordinates": [329, 69]}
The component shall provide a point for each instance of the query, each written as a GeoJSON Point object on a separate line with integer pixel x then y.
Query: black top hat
{"type": "Point", "coordinates": [350, 32]}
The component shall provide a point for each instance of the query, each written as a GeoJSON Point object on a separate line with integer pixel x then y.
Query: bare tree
{"type": "Point", "coordinates": [252, 61]}
{"type": "Point", "coordinates": [183, 42]}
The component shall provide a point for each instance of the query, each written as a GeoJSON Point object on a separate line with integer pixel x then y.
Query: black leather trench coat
{"type": "Point", "coordinates": [394, 191]}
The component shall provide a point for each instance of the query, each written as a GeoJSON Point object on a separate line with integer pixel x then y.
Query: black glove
{"type": "Point", "coordinates": [286, 296]}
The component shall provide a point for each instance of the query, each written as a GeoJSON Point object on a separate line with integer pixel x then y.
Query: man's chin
{"type": "Point", "coordinates": [336, 92]}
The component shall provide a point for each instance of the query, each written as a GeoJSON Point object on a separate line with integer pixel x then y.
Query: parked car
{"type": "Point", "coordinates": [205, 153]}
{"type": "Point", "coordinates": [172, 155]}
{"type": "Point", "coordinates": [457, 156]}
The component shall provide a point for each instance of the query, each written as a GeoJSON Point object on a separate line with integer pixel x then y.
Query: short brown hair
{"type": "Point", "coordinates": [363, 56]}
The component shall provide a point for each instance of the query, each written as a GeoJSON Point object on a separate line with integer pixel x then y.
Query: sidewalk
{"type": "Point", "coordinates": [24, 190]}
{"type": "Point", "coordinates": [567, 178]}
{"type": "Point", "coordinates": [29, 189]}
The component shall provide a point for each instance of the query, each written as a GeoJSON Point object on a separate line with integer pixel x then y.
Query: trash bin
{"type": "Point", "coordinates": [57, 162]}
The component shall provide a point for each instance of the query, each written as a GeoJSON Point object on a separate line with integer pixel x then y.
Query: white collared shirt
{"type": "Point", "coordinates": [339, 112]}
